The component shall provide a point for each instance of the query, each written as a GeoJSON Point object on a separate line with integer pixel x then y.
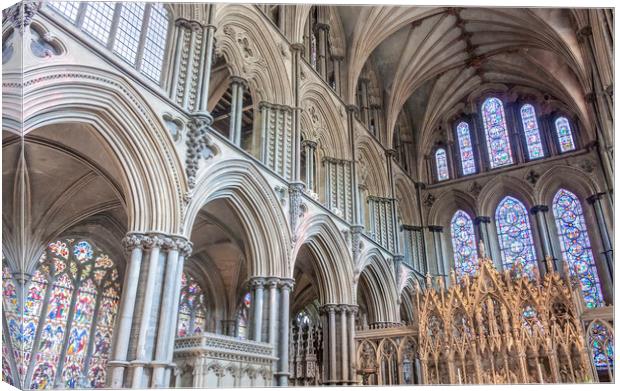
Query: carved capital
{"type": "Point", "coordinates": [132, 241]}
{"type": "Point", "coordinates": [482, 220]}
{"type": "Point", "coordinates": [594, 198]}
{"type": "Point", "coordinates": [287, 283]}
{"type": "Point", "coordinates": [257, 282]}
{"type": "Point", "coordinates": [435, 228]}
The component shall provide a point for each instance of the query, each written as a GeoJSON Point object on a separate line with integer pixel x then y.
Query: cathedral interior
{"type": "Point", "coordinates": [241, 195]}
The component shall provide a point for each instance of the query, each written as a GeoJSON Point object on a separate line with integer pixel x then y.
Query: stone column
{"type": "Point", "coordinates": [352, 311]}
{"type": "Point", "coordinates": [257, 287]}
{"type": "Point", "coordinates": [153, 244]}
{"type": "Point", "coordinates": [296, 54]}
{"type": "Point", "coordinates": [161, 352]}
{"type": "Point", "coordinates": [322, 29]}
{"type": "Point", "coordinates": [436, 231]}
{"type": "Point", "coordinates": [331, 319]}
{"type": "Point", "coordinates": [184, 247]}
{"type": "Point", "coordinates": [207, 51]}
{"type": "Point", "coordinates": [607, 272]}
{"type": "Point", "coordinates": [376, 115]}
{"type": "Point", "coordinates": [337, 76]}
{"type": "Point", "coordinates": [309, 149]}
{"type": "Point", "coordinates": [118, 359]}
{"type": "Point", "coordinates": [364, 100]}
{"type": "Point", "coordinates": [539, 211]}
{"type": "Point", "coordinates": [286, 285]}
{"type": "Point", "coordinates": [344, 344]}
{"type": "Point", "coordinates": [274, 304]}
{"type": "Point", "coordinates": [236, 109]}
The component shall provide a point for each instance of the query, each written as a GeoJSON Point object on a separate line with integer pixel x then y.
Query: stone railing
{"type": "Point", "coordinates": [210, 360]}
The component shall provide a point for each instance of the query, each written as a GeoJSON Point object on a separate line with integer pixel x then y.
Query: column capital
{"type": "Point", "coordinates": [337, 57]}
{"type": "Point", "coordinates": [482, 219]}
{"type": "Point", "coordinates": [390, 153]}
{"type": "Point", "coordinates": [595, 197]}
{"type": "Point", "coordinates": [272, 282]}
{"type": "Point", "coordinates": [352, 309]}
{"type": "Point", "coordinates": [256, 282]}
{"type": "Point", "coordinates": [297, 47]}
{"type": "Point", "coordinates": [287, 283]}
{"type": "Point", "coordinates": [321, 26]}
{"type": "Point", "coordinates": [152, 240]}
{"type": "Point", "coordinates": [353, 108]}
{"type": "Point", "coordinates": [435, 228]}
{"type": "Point", "coordinates": [132, 240]}
{"type": "Point", "coordinates": [238, 80]}
{"type": "Point", "coordinates": [328, 308]}
{"type": "Point", "coordinates": [309, 143]}
{"type": "Point", "coordinates": [539, 208]}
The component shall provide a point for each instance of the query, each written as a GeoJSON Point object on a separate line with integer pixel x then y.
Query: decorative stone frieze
{"type": "Point", "coordinates": [199, 146]}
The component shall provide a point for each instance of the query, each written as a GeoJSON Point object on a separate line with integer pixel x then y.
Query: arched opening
{"type": "Point", "coordinates": [62, 261]}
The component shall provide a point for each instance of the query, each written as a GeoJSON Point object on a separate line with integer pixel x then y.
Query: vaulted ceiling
{"type": "Point", "coordinates": [430, 61]}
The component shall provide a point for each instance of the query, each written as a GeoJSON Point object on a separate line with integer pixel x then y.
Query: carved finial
{"type": "Point", "coordinates": [481, 250]}
{"type": "Point", "coordinates": [429, 280]}
{"type": "Point", "coordinates": [549, 262]}
{"type": "Point", "coordinates": [452, 277]}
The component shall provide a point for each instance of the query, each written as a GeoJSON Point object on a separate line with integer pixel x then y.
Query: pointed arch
{"type": "Point", "coordinates": [514, 234]}
{"type": "Point", "coordinates": [376, 282]}
{"type": "Point", "coordinates": [254, 202]}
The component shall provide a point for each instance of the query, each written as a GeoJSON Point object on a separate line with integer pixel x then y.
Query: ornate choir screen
{"type": "Point", "coordinates": [492, 328]}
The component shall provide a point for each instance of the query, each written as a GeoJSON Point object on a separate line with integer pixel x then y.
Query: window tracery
{"type": "Point", "coordinates": [575, 244]}
{"type": "Point", "coordinates": [601, 342]}
{"type": "Point", "coordinates": [565, 134]}
{"type": "Point", "coordinates": [515, 236]}
{"type": "Point", "coordinates": [531, 132]}
{"type": "Point", "coordinates": [139, 36]}
{"type": "Point", "coordinates": [192, 308]}
{"type": "Point", "coordinates": [441, 162]}
{"type": "Point", "coordinates": [468, 163]}
{"type": "Point", "coordinates": [463, 243]}
{"type": "Point", "coordinates": [69, 310]}
{"type": "Point", "coordinates": [496, 131]}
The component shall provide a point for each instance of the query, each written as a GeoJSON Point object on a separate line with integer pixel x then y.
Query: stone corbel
{"type": "Point", "coordinates": [199, 145]}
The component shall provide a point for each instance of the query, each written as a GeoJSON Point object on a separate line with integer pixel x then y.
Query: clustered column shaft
{"type": "Point", "coordinates": [237, 86]}
{"type": "Point", "coordinates": [339, 331]}
{"type": "Point", "coordinates": [271, 297]}
{"type": "Point", "coordinates": [142, 351]}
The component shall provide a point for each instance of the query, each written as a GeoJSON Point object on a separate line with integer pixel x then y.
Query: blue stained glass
{"type": "Point", "coordinates": [441, 160]}
{"type": "Point", "coordinates": [531, 132]}
{"type": "Point", "coordinates": [468, 163]}
{"type": "Point", "coordinates": [602, 344]}
{"type": "Point", "coordinates": [565, 135]}
{"type": "Point", "coordinates": [515, 236]}
{"type": "Point", "coordinates": [575, 243]}
{"type": "Point", "coordinates": [496, 132]}
{"type": "Point", "coordinates": [463, 243]}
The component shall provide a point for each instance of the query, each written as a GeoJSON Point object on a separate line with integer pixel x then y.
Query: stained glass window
{"type": "Point", "coordinates": [468, 164]}
{"type": "Point", "coordinates": [463, 243]}
{"type": "Point", "coordinates": [441, 162]}
{"type": "Point", "coordinates": [192, 308]}
{"type": "Point", "coordinates": [565, 134]}
{"type": "Point", "coordinates": [71, 304]}
{"type": "Point", "coordinates": [575, 243]}
{"type": "Point", "coordinates": [531, 132]}
{"type": "Point", "coordinates": [496, 131]}
{"type": "Point", "coordinates": [601, 341]}
{"type": "Point", "coordinates": [515, 236]}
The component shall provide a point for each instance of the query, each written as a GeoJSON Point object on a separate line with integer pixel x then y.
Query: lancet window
{"type": "Point", "coordinates": [515, 236]}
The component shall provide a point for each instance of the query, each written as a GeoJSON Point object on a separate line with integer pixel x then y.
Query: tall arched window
{"type": "Point", "coordinates": [69, 310]}
{"type": "Point", "coordinates": [601, 341]}
{"type": "Point", "coordinates": [138, 36]}
{"type": "Point", "coordinates": [496, 131]}
{"type": "Point", "coordinates": [441, 162]}
{"type": "Point", "coordinates": [575, 243]}
{"type": "Point", "coordinates": [565, 134]}
{"type": "Point", "coordinates": [531, 132]}
{"type": "Point", "coordinates": [463, 243]}
{"type": "Point", "coordinates": [468, 164]}
{"type": "Point", "coordinates": [515, 236]}
{"type": "Point", "coordinates": [192, 308]}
